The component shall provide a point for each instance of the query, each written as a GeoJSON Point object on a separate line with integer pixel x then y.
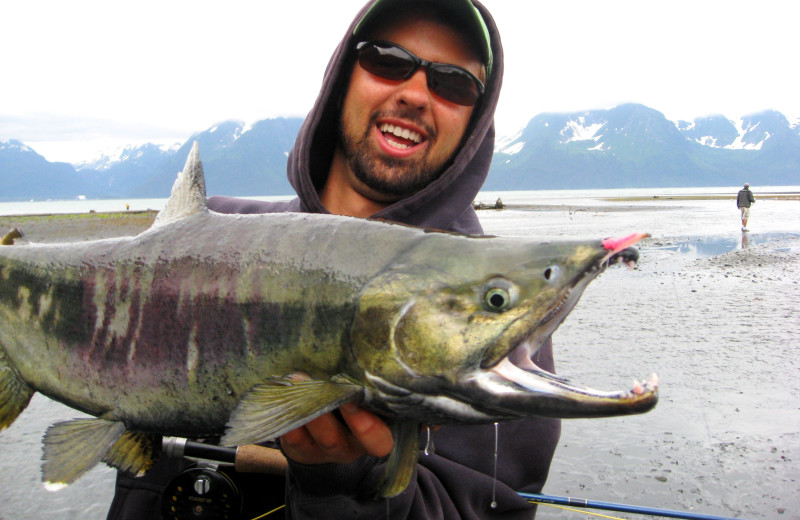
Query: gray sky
{"type": "Point", "coordinates": [81, 76]}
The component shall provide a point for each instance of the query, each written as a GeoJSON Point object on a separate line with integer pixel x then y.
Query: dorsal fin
{"type": "Point", "coordinates": [188, 193]}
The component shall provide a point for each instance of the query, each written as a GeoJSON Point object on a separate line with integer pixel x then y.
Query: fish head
{"type": "Point", "coordinates": [447, 332]}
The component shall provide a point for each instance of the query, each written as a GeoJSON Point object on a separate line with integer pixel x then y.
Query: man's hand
{"type": "Point", "coordinates": [326, 439]}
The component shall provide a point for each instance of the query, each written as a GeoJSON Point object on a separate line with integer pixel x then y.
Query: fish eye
{"type": "Point", "coordinates": [551, 273]}
{"type": "Point", "coordinates": [499, 295]}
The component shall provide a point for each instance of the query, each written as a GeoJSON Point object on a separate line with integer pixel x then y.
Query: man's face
{"type": "Point", "coordinates": [397, 136]}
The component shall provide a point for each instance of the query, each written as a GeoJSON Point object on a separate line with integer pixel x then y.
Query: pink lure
{"type": "Point", "coordinates": [615, 245]}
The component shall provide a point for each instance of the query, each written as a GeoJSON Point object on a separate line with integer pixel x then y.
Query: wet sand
{"type": "Point", "coordinates": [722, 332]}
{"type": "Point", "coordinates": [721, 329]}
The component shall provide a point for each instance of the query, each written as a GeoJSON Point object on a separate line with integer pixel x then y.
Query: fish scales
{"type": "Point", "coordinates": [273, 300]}
{"type": "Point", "coordinates": [245, 327]}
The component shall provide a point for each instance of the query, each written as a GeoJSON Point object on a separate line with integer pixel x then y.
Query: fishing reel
{"type": "Point", "coordinates": [201, 493]}
{"type": "Point", "coordinates": [218, 484]}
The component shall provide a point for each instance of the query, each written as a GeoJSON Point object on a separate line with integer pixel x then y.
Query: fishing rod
{"type": "Point", "coordinates": [258, 459]}
{"type": "Point", "coordinates": [610, 506]}
{"type": "Point", "coordinates": [246, 459]}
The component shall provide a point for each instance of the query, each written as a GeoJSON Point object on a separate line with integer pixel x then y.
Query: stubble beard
{"type": "Point", "coordinates": [388, 176]}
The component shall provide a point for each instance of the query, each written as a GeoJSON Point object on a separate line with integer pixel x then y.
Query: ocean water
{"type": "Point", "coordinates": [724, 438]}
{"type": "Point", "coordinates": [659, 196]}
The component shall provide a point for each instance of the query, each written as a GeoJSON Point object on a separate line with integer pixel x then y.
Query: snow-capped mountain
{"type": "Point", "coordinates": [626, 146]}
{"type": "Point", "coordinates": [131, 154]}
{"type": "Point", "coordinates": [635, 146]}
{"type": "Point", "coordinates": [747, 133]}
{"type": "Point", "coordinates": [24, 174]}
{"type": "Point", "coordinates": [239, 159]}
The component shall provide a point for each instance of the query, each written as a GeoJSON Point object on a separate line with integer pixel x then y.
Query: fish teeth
{"type": "Point", "coordinates": [639, 387]}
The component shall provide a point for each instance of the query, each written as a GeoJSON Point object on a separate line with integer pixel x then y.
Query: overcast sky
{"type": "Point", "coordinates": [81, 75]}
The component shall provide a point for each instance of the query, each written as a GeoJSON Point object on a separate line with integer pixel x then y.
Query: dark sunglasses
{"type": "Point", "coordinates": [390, 61]}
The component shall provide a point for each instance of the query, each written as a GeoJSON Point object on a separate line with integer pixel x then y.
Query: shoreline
{"type": "Point", "coordinates": [491, 206]}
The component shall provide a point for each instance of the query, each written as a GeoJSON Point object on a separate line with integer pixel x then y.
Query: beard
{"type": "Point", "coordinates": [389, 176]}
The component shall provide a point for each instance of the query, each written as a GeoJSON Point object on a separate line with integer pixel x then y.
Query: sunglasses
{"type": "Point", "coordinates": [390, 61]}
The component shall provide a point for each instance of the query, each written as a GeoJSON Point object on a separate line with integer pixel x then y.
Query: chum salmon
{"type": "Point", "coordinates": [244, 327]}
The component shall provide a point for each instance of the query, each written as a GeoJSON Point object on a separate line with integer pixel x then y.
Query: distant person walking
{"type": "Point", "coordinates": [743, 202]}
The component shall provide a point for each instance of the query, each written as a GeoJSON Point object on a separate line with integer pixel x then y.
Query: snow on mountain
{"type": "Point", "coordinates": [745, 133]}
{"type": "Point", "coordinates": [108, 158]}
{"type": "Point", "coordinates": [14, 145]}
{"type": "Point", "coordinates": [750, 136]}
{"type": "Point", "coordinates": [509, 145]}
{"type": "Point", "coordinates": [579, 130]}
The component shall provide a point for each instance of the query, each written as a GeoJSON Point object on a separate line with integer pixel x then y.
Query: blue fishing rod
{"type": "Point", "coordinates": [206, 484]}
{"type": "Point", "coordinates": [610, 506]}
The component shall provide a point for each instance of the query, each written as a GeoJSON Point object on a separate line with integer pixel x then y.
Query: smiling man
{"type": "Point", "coordinates": [396, 134]}
{"type": "Point", "coordinates": [402, 130]}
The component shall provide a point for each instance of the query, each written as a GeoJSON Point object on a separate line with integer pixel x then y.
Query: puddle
{"type": "Point", "coordinates": [704, 247]}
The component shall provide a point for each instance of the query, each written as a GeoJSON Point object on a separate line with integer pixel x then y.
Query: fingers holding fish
{"type": "Point", "coordinates": [368, 429]}
{"type": "Point", "coordinates": [326, 439]}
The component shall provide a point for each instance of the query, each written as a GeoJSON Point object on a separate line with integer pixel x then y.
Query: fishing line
{"type": "Point", "coordinates": [428, 444]}
{"type": "Point", "coordinates": [269, 512]}
{"type": "Point", "coordinates": [580, 511]}
{"type": "Point", "coordinates": [493, 505]}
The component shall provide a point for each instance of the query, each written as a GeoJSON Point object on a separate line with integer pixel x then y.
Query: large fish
{"type": "Point", "coordinates": [248, 326]}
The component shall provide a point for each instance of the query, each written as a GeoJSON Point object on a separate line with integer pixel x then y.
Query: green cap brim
{"type": "Point", "coordinates": [463, 9]}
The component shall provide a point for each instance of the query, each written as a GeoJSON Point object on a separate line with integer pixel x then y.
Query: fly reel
{"type": "Point", "coordinates": [201, 493]}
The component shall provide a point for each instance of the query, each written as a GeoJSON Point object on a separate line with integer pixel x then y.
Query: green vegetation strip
{"type": "Point", "coordinates": [56, 217]}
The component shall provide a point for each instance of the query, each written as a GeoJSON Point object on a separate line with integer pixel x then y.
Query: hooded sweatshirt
{"type": "Point", "coordinates": [457, 480]}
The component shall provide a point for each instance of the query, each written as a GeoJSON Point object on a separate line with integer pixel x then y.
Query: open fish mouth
{"type": "Point", "coordinates": [530, 389]}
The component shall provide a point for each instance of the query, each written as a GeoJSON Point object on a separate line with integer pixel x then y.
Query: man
{"type": "Point", "coordinates": [743, 201]}
{"type": "Point", "coordinates": [402, 130]}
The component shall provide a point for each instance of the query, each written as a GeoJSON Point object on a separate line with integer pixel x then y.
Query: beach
{"type": "Point", "coordinates": [720, 328]}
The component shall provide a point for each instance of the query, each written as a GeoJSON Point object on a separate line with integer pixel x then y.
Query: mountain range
{"type": "Point", "coordinates": [633, 146]}
{"type": "Point", "coordinates": [626, 146]}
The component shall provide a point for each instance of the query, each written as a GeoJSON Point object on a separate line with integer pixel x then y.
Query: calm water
{"type": "Point", "coordinates": [553, 197]}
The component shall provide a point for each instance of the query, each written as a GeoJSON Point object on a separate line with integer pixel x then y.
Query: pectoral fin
{"type": "Point", "coordinates": [15, 394]}
{"type": "Point", "coordinates": [278, 406]}
{"type": "Point", "coordinates": [403, 459]}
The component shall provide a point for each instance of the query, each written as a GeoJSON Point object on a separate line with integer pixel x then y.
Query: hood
{"type": "Point", "coordinates": [444, 204]}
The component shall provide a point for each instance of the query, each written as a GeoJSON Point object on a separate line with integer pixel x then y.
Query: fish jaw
{"type": "Point", "coordinates": [440, 357]}
{"type": "Point", "coordinates": [511, 391]}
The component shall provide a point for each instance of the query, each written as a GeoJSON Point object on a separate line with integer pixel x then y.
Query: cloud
{"type": "Point", "coordinates": [54, 127]}
{"type": "Point", "coordinates": [93, 70]}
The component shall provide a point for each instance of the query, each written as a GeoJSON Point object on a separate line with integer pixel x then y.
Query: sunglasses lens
{"type": "Point", "coordinates": [394, 63]}
{"type": "Point", "coordinates": [453, 84]}
{"type": "Point", "coordinates": [390, 63]}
